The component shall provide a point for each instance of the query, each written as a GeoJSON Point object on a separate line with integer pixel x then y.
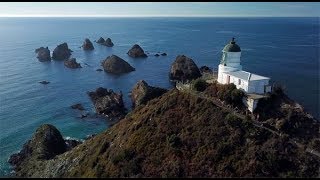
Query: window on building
{"type": "Point", "coordinates": [239, 81]}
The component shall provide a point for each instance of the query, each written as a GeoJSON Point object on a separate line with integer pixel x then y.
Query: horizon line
{"type": "Point", "coordinates": [134, 16]}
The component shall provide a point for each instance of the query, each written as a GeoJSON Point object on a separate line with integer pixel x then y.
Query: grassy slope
{"type": "Point", "coordinates": [179, 135]}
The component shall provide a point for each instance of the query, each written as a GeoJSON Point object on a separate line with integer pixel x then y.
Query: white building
{"type": "Point", "coordinates": [230, 71]}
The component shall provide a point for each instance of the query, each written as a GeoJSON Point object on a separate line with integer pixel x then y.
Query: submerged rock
{"type": "Point", "coordinates": [108, 103]}
{"type": "Point", "coordinates": [72, 63]}
{"type": "Point", "coordinates": [163, 54]}
{"type": "Point", "coordinates": [136, 51]}
{"type": "Point", "coordinates": [205, 69]}
{"type": "Point", "coordinates": [43, 54]}
{"type": "Point", "coordinates": [99, 70]}
{"type": "Point", "coordinates": [61, 52]}
{"type": "Point", "coordinates": [77, 106]}
{"type": "Point", "coordinates": [87, 45]}
{"type": "Point", "coordinates": [184, 69]}
{"type": "Point", "coordinates": [44, 82]}
{"type": "Point", "coordinates": [142, 93]}
{"type": "Point", "coordinates": [157, 55]}
{"type": "Point", "coordinates": [116, 65]}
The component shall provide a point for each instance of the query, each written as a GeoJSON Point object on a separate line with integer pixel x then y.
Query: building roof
{"type": "Point", "coordinates": [232, 47]}
{"type": "Point", "coordinates": [247, 76]}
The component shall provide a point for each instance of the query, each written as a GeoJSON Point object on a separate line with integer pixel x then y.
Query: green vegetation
{"type": "Point", "coordinates": [199, 84]}
{"type": "Point", "coordinates": [181, 135]}
{"type": "Point", "coordinates": [228, 93]}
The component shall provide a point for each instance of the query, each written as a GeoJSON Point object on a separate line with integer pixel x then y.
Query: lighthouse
{"type": "Point", "coordinates": [230, 71]}
{"type": "Point", "coordinates": [230, 61]}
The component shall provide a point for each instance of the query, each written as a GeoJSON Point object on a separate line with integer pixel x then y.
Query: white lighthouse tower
{"type": "Point", "coordinates": [230, 61]}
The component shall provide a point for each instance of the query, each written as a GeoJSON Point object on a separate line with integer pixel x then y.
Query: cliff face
{"type": "Point", "coordinates": [179, 135]}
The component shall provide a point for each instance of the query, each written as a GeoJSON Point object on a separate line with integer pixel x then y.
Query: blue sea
{"type": "Point", "coordinates": [285, 49]}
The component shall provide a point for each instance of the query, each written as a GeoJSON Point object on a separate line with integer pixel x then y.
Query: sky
{"type": "Point", "coordinates": [154, 9]}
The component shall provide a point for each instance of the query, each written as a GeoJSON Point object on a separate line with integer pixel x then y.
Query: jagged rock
{"type": "Point", "coordinates": [43, 54]}
{"type": "Point", "coordinates": [46, 143]}
{"type": "Point", "coordinates": [116, 65]}
{"type": "Point", "coordinates": [205, 69]}
{"type": "Point", "coordinates": [183, 69]}
{"type": "Point", "coordinates": [108, 42]}
{"type": "Point", "coordinates": [100, 41]}
{"type": "Point", "coordinates": [61, 52]}
{"type": "Point", "coordinates": [136, 51]}
{"type": "Point", "coordinates": [72, 63]}
{"type": "Point", "coordinates": [142, 93]}
{"type": "Point", "coordinates": [99, 70]}
{"type": "Point", "coordinates": [108, 103]}
{"type": "Point", "coordinates": [87, 45]}
{"type": "Point", "coordinates": [44, 82]}
{"type": "Point", "coordinates": [157, 55]}
{"type": "Point", "coordinates": [77, 106]}
{"type": "Point", "coordinates": [163, 54]}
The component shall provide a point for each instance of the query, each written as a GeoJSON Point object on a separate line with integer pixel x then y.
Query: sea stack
{"type": "Point", "coordinates": [108, 103]}
{"type": "Point", "coordinates": [87, 45]}
{"type": "Point", "coordinates": [61, 52]}
{"type": "Point", "coordinates": [184, 69]}
{"type": "Point", "coordinates": [116, 65]}
{"type": "Point", "coordinates": [43, 54]}
{"type": "Point", "coordinates": [136, 51]}
{"type": "Point", "coordinates": [100, 40]}
{"type": "Point", "coordinates": [72, 63]}
{"type": "Point", "coordinates": [108, 42]}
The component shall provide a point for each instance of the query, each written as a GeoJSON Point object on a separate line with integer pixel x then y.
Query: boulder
{"type": "Point", "coordinates": [157, 55]}
{"type": "Point", "coordinates": [205, 69]}
{"type": "Point", "coordinates": [100, 41]}
{"type": "Point", "coordinates": [43, 54]}
{"type": "Point", "coordinates": [46, 143]}
{"type": "Point", "coordinates": [77, 106]}
{"type": "Point", "coordinates": [184, 69]}
{"type": "Point", "coordinates": [116, 65]}
{"type": "Point", "coordinates": [61, 52]}
{"type": "Point", "coordinates": [142, 93]}
{"type": "Point", "coordinates": [99, 70]}
{"type": "Point", "coordinates": [163, 54]}
{"type": "Point", "coordinates": [87, 45]}
{"type": "Point", "coordinates": [72, 63]}
{"type": "Point", "coordinates": [108, 42]}
{"type": "Point", "coordinates": [108, 103]}
{"type": "Point", "coordinates": [136, 51]}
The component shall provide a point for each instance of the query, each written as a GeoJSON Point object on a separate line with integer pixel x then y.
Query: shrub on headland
{"type": "Point", "coordinates": [199, 84]}
{"type": "Point", "coordinates": [226, 92]}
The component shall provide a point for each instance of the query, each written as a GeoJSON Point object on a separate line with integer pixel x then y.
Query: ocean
{"type": "Point", "coordinates": [284, 49]}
